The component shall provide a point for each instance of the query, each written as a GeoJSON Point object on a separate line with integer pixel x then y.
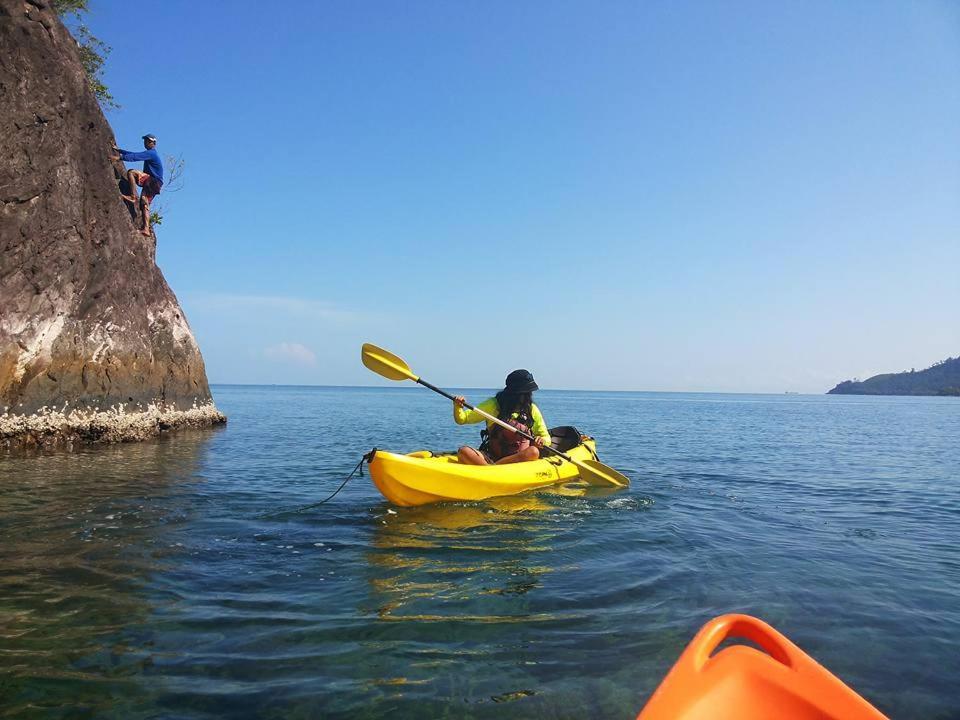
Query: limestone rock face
{"type": "Point", "coordinates": [86, 317]}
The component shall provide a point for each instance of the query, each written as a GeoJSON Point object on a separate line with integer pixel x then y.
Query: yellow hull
{"type": "Point", "coordinates": [421, 478]}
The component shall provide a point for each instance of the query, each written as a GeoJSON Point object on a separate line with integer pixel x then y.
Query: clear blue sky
{"type": "Point", "coordinates": [744, 196]}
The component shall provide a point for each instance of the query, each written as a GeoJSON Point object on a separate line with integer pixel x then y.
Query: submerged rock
{"type": "Point", "coordinates": [88, 325]}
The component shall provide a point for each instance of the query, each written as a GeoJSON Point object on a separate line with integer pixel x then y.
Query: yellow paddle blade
{"type": "Point", "coordinates": [596, 473]}
{"type": "Point", "coordinates": [385, 363]}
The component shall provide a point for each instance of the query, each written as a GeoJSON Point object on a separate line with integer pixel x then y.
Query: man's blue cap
{"type": "Point", "coordinates": [151, 137]}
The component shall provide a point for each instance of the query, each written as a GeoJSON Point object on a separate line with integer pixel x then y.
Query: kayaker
{"type": "Point", "coordinates": [514, 404]}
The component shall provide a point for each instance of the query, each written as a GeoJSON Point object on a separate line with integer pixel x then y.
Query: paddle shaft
{"type": "Point", "coordinates": [497, 420]}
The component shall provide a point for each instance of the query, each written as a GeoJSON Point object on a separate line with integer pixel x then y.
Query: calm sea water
{"type": "Point", "coordinates": [143, 581]}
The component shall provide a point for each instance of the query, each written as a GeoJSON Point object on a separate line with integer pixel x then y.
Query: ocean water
{"type": "Point", "coordinates": [148, 581]}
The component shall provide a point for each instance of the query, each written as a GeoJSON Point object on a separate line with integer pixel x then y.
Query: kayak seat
{"type": "Point", "coordinates": [564, 438]}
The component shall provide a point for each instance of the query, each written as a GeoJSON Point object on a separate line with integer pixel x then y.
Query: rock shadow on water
{"type": "Point", "coordinates": [82, 539]}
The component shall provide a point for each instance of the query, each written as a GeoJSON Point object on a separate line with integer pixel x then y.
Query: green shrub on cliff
{"type": "Point", "coordinates": [93, 51]}
{"type": "Point", "coordinates": [70, 6]}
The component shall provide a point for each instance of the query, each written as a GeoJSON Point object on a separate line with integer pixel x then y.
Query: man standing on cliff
{"type": "Point", "coordinates": [150, 179]}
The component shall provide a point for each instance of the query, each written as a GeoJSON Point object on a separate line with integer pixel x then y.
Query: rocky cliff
{"type": "Point", "coordinates": [93, 343]}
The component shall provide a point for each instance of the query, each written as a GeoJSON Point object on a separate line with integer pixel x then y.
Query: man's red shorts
{"type": "Point", "coordinates": [151, 186]}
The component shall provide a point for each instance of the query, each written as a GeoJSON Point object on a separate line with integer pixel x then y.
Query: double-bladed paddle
{"type": "Point", "coordinates": [392, 367]}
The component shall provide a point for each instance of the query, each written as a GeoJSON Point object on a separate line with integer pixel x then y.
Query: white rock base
{"type": "Point", "coordinates": [52, 428]}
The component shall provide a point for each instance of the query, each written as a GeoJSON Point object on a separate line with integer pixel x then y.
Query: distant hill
{"type": "Point", "coordinates": [942, 378]}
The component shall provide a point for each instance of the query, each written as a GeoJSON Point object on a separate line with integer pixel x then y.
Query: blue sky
{"type": "Point", "coordinates": [743, 196]}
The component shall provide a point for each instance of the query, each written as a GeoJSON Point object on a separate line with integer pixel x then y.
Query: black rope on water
{"type": "Point", "coordinates": [359, 468]}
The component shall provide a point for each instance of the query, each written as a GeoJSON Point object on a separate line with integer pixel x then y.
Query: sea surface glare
{"type": "Point", "coordinates": [143, 581]}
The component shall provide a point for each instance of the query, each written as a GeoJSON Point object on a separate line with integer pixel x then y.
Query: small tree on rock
{"type": "Point", "coordinates": [174, 165]}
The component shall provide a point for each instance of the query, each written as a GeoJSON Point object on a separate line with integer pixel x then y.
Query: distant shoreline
{"type": "Point", "coordinates": [941, 379]}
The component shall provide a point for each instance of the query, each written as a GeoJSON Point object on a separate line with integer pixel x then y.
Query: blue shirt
{"type": "Point", "coordinates": [151, 161]}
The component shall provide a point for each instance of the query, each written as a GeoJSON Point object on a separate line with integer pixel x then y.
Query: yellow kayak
{"type": "Point", "coordinates": [423, 477]}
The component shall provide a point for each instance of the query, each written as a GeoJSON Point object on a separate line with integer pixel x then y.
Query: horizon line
{"type": "Point", "coordinates": [464, 387]}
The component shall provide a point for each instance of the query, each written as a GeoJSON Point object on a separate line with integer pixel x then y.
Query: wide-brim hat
{"type": "Point", "coordinates": [521, 381]}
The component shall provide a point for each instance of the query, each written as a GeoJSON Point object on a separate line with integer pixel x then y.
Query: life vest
{"type": "Point", "coordinates": [500, 442]}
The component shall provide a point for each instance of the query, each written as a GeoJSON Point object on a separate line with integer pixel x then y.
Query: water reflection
{"type": "Point", "coordinates": [462, 587]}
{"type": "Point", "coordinates": [458, 554]}
{"type": "Point", "coordinates": [80, 535]}
{"type": "Point", "coordinates": [454, 554]}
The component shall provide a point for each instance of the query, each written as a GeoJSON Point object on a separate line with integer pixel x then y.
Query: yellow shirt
{"type": "Point", "coordinates": [462, 416]}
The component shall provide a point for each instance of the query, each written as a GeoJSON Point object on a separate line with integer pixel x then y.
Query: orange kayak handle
{"type": "Point", "coordinates": [742, 626]}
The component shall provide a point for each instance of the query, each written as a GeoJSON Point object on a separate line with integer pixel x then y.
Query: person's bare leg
{"type": "Point", "coordinates": [469, 456]}
{"type": "Point", "coordinates": [145, 211]}
{"type": "Point", "coordinates": [525, 455]}
{"type": "Point", "coordinates": [132, 183]}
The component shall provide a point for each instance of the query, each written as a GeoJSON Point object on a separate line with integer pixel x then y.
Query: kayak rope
{"type": "Point", "coordinates": [358, 469]}
{"type": "Point", "coordinates": [556, 461]}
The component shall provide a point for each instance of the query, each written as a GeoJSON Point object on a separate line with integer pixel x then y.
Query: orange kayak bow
{"type": "Point", "coordinates": [742, 683]}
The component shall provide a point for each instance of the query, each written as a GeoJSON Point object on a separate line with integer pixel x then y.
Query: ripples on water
{"type": "Point", "coordinates": [146, 581]}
